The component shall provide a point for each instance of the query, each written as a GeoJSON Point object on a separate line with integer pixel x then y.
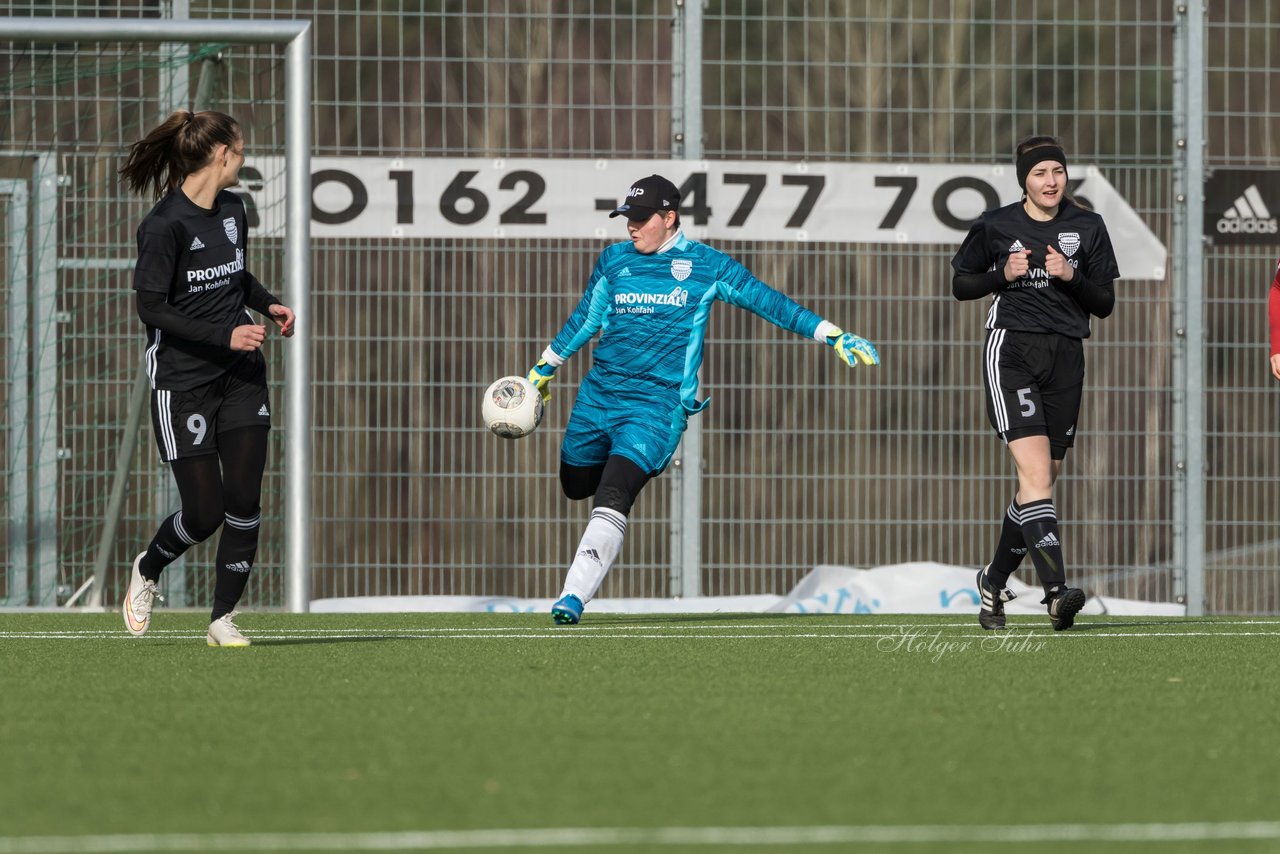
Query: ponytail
{"type": "Point", "coordinates": [181, 144]}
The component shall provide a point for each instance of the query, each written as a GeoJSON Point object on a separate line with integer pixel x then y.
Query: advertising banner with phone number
{"type": "Point", "coordinates": [863, 203]}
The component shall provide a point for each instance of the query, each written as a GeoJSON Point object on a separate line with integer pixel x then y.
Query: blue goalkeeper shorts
{"type": "Point", "coordinates": [645, 432]}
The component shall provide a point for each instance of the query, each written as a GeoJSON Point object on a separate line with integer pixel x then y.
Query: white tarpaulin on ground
{"type": "Point", "coordinates": [930, 588]}
{"type": "Point", "coordinates": [905, 588]}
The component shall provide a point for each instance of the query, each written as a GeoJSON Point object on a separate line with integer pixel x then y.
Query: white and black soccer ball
{"type": "Point", "coordinates": [512, 407]}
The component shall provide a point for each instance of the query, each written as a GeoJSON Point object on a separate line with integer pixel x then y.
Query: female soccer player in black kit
{"type": "Point", "coordinates": [1049, 264]}
{"type": "Point", "coordinates": [209, 401]}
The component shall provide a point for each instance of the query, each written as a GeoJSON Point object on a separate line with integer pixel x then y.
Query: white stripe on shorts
{"type": "Point", "coordinates": [992, 358]}
{"type": "Point", "coordinates": [164, 400]}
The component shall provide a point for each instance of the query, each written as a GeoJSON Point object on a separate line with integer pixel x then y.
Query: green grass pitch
{"type": "Point", "coordinates": [698, 732]}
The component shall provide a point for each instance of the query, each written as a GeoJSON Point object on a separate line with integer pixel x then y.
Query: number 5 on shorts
{"type": "Point", "coordinates": [1024, 399]}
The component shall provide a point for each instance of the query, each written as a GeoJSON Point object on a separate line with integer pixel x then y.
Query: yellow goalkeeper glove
{"type": "Point", "coordinates": [853, 348]}
{"type": "Point", "coordinates": [540, 376]}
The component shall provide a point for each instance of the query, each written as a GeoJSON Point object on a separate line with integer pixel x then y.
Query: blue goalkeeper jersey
{"type": "Point", "coordinates": [651, 312]}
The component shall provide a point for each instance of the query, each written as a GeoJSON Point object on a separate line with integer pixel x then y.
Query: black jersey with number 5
{"type": "Point", "coordinates": [1038, 302]}
{"type": "Point", "coordinates": [196, 257]}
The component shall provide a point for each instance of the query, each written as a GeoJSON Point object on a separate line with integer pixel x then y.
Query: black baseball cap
{"type": "Point", "coordinates": [648, 196]}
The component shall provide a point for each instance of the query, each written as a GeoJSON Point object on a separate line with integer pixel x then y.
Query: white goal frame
{"type": "Point", "coordinates": [296, 37]}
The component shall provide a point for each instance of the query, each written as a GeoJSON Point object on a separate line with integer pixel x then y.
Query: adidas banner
{"type": "Point", "coordinates": [868, 203]}
{"type": "Point", "coordinates": [1239, 206]}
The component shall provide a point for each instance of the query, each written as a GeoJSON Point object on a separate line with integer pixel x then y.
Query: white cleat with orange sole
{"type": "Point", "coordinates": [138, 600]}
{"type": "Point", "coordinates": [223, 632]}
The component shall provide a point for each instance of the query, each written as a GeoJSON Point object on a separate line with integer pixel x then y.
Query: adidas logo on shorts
{"type": "Point", "coordinates": [263, 411]}
{"type": "Point", "coordinates": [196, 244]}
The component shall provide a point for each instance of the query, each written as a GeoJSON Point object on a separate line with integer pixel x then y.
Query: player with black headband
{"type": "Point", "coordinates": [1048, 265]}
{"type": "Point", "coordinates": [649, 297]}
{"type": "Point", "coordinates": [209, 402]}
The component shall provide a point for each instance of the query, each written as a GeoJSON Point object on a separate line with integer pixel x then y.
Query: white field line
{"type": "Point", "coordinates": [437, 840]}
{"type": "Point", "coordinates": [779, 627]}
{"type": "Point", "coordinates": [648, 633]}
{"type": "Point", "coordinates": [676, 623]}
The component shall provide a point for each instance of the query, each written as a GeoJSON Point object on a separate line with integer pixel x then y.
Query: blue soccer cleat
{"type": "Point", "coordinates": [568, 610]}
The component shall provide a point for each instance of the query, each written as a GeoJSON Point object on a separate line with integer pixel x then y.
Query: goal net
{"type": "Point", "coordinates": [84, 488]}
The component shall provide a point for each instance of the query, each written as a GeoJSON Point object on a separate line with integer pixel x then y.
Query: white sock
{"type": "Point", "coordinates": [597, 551]}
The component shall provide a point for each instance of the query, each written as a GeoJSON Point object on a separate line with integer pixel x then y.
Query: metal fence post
{"type": "Point", "coordinates": [1189, 519]}
{"type": "Point", "coordinates": [686, 498]}
{"type": "Point", "coordinates": [44, 400]}
{"type": "Point", "coordinates": [18, 365]}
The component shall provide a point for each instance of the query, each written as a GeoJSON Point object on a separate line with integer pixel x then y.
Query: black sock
{"type": "Point", "coordinates": [1040, 533]}
{"type": "Point", "coordinates": [237, 547]}
{"type": "Point", "coordinates": [167, 546]}
{"type": "Point", "coordinates": [1011, 549]}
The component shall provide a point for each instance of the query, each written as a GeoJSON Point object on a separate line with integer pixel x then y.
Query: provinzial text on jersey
{"type": "Point", "coordinates": [219, 271]}
{"type": "Point", "coordinates": [678, 297]}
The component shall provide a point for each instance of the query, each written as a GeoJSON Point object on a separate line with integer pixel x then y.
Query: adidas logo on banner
{"type": "Point", "coordinates": [1048, 540]}
{"type": "Point", "coordinates": [263, 410]}
{"type": "Point", "coordinates": [196, 244]}
{"type": "Point", "coordinates": [1249, 215]}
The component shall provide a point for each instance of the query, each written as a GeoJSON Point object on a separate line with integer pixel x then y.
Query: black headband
{"type": "Point", "coordinates": [1028, 159]}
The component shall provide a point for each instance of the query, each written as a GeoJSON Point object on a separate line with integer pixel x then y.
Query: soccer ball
{"type": "Point", "coordinates": [512, 407]}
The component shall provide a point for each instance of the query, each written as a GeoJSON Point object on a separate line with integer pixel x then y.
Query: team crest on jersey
{"type": "Point", "coordinates": [681, 268]}
{"type": "Point", "coordinates": [1069, 241]}
{"type": "Point", "coordinates": [229, 226]}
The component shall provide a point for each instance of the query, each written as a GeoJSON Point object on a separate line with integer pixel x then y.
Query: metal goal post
{"type": "Point", "coordinates": [296, 37]}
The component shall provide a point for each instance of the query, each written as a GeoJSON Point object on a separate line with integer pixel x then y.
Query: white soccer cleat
{"type": "Point", "coordinates": [138, 600]}
{"type": "Point", "coordinates": [223, 632]}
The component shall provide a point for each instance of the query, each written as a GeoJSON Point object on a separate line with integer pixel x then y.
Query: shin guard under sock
{"type": "Point", "coordinates": [1011, 549]}
{"type": "Point", "coordinates": [170, 541]}
{"type": "Point", "coordinates": [596, 553]}
{"type": "Point", "coordinates": [237, 547]}
{"type": "Point", "coordinates": [1040, 533]}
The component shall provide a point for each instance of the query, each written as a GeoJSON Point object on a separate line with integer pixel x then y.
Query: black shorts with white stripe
{"type": "Point", "coordinates": [187, 423]}
{"type": "Point", "coordinates": [1034, 381]}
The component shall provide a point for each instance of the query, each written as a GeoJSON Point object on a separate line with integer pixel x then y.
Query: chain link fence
{"type": "Point", "coordinates": [803, 462]}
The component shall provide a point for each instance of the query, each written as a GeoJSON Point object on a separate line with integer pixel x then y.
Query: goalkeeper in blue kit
{"type": "Point", "coordinates": [649, 298]}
